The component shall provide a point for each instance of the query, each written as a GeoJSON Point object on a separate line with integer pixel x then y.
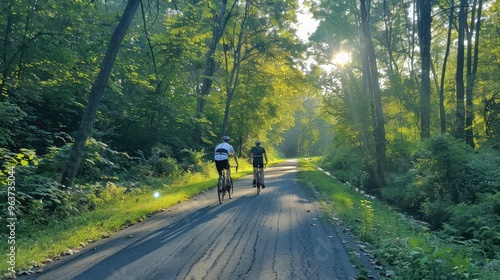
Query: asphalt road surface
{"type": "Point", "coordinates": [279, 234]}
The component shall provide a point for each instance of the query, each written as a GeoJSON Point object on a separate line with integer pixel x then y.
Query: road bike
{"type": "Point", "coordinates": [258, 181]}
{"type": "Point", "coordinates": [223, 188]}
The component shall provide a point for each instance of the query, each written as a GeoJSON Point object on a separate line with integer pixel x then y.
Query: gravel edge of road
{"type": "Point", "coordinates": [355, 247]}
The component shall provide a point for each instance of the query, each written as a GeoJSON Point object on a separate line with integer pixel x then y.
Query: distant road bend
{"type": "Point", "coordinates": [279, 234]}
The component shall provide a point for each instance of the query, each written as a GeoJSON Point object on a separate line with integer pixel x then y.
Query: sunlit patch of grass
{"type": "Point", "coordinates": [345, 203]}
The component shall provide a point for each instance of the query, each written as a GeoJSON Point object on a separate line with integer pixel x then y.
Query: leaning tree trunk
{"type": "Point", "coordinates": [76, 154]}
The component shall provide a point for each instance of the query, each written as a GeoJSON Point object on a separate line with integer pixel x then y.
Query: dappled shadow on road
{"type": "Point", "coordinates": [151, 242]}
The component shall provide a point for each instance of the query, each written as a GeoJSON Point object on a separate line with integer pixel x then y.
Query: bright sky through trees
{"type": "Point", "coordinates": [307, 25]}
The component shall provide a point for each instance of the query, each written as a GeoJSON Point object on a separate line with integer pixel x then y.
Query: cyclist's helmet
{"type": "Point", "coordinates": [257, 143]}
{"type": "Point", "coordinates": [225, 138]}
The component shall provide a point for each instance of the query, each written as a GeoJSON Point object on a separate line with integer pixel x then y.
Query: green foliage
{"type": "Point", "coordinates": [405, 248]}
{"type": "Point", "coordinates": [444, 172]}
{"type": "Point", "coordinates": [425, 257]}
{"type": "Point", "coordinates": [10, 116]}
{"type": "Point", "coordinates": [191, 160]}
{"type": "Point", "coordinates": [101, 161]}
{"type": "Point", "coordinates": [38, 198]}
{"type": "Point", "coordinates": [161, 163]}
{"type": "Point", "coordinates": [348, 165]}
{"type": "Point", "coordinates": [479, 222]}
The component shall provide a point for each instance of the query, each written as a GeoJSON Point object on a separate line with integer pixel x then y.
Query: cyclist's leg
{"type": "Point", "coordinates": [218, 166]}
{"type": "Point", "coordinates": [255, 170]}
{"type": "Point", "coordinates": [228, 174]}
{"type": "Point", "coordinates": [262, 177]}
{"type": "Point", "coordinates": [258, 162]}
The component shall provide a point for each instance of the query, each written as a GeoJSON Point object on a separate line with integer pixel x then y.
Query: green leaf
{"type": "Point", "coordinates": [24, 162]}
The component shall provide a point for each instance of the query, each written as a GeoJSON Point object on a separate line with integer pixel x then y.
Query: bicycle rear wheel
{"type": "Point", "coordinates": [258, 183]}
{"type": "Point", "coordinates": [220, 189]}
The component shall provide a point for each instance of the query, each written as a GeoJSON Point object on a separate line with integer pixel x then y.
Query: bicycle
{"type": "Point", "coordinates": [258, 180]}
{"type": "Point", "coordinates": [222, 188]}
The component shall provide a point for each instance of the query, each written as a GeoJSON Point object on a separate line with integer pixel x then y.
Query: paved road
{"type": "Point", "coordinates": [278, 234]}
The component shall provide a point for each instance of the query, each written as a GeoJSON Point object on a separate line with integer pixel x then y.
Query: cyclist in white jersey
{"type": "Point", "coordinates": [222, 153]}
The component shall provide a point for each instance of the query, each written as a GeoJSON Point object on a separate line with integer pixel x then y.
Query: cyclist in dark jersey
{"type": "Point", "coordinates": [257, 156]}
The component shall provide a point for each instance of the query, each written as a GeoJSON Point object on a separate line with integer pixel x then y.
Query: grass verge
{"type": "Point", "coordinates": [405, 248]}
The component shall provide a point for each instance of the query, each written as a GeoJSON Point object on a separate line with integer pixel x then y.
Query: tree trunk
{"type": "Point", "coordinates": [442, 115]}
{"type": "Point", "coordinates": [6, 46]}
{"type": "Point", "coordinates": [472, 60]}
{"type": "Point", "coordinates": [424, 32]}
{"type": "Point", "coordinates": [232, 80]}
{"type": "Point", "coordinates": [76, 153]}
{"type": "Point", "coordinates": [373, 87]}
{"type": "Point", "coordinates": [220, 25]}
{"type": "Point", "coordinates": [460, 110]}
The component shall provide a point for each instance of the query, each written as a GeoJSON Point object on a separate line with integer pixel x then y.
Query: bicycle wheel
{"type": "Point", "coordinates": [230, 189]}
{"type": "Point", "coordinates": [220, 189]}
{"type": "Point", "coordinates": [258, 183]}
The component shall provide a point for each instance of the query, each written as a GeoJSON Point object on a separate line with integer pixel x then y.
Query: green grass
{"type": "Point", "coordinates": [106, 219]}
{"type": "Point", "coordinates": [406, 248]}
{"type": "Point", "coordinates": [345, 203]}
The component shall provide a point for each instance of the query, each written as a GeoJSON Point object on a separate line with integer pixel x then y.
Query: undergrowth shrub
{"type": "Point", "coordinates": [435, 181]}
{"type": "Point", "coordinates": [479, 222]}
{"type": "Point", "coordinates": [99, 163]}
{"type": "Point", "coordinates": [191, 160]}
{"type": "Point", "coordinates": [161, 162]}
{"type": "Point", "coordinates": [347, 164]}
{"type": "Point", "coordinates": [425, 256]}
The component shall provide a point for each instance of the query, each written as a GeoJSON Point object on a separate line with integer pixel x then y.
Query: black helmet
{"type": "Point", "coordinates": [257, 143]}
{"type": "Point", "coordinates": [225, 138]}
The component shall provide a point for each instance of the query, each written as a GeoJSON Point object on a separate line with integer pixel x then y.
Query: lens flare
{"type": "Point", "coordinates": [156, 194]}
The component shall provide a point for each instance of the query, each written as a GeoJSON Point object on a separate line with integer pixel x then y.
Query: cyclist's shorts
{"type": "Point", "coordinates": [222, 164]}
{"type": "Point", "coordinates": [258, 161]}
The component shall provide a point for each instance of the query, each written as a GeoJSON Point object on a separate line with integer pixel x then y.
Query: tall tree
{"type": "Point", "coordinates": [473, 33]}
{"type": "Point", "coordinates": [236, 44]}
{"type": "Point", "coordinates": [424, 32]}
{"type": "Point", "coordinates": [460, 94]}
{"type": "Point", "coordinates": [442, 114]}
{"type": "Point", "coordinates": [372, 88]}
{"type": "Point", "coordinates": [220, 23]}
{"type": "Point", "coordinates": [77, 150]}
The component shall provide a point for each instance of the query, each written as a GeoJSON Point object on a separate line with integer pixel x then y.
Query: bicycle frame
{"type": "Point", "coordinates": [258, 180]}
{"type": "Point", "coordinates": [222, 186]}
